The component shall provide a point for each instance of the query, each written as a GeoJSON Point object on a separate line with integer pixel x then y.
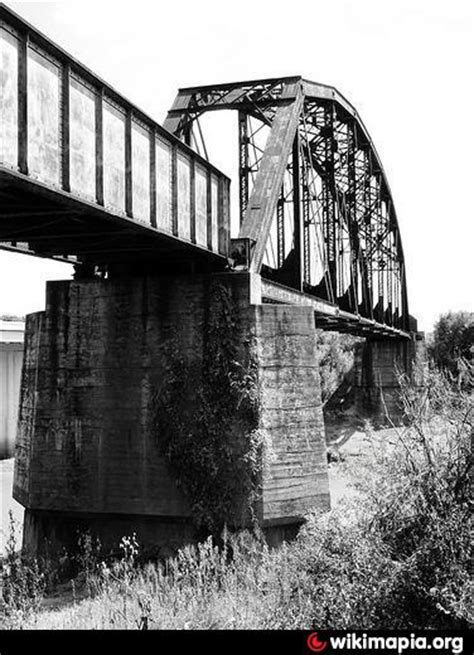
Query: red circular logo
{"type": "Point", "coordinates": [316, 644]}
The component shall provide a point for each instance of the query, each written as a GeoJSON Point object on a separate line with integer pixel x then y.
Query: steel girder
{"type": "Point", "coordinates": [315, 204]}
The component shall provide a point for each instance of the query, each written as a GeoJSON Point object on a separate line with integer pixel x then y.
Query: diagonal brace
{"type": "Point", "coordinates": [262, 204]}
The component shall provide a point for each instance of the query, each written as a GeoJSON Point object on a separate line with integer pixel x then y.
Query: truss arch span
{"type": "Point", "coordinates": [316, 210]}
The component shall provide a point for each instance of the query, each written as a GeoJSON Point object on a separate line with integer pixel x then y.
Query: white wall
{"type": "Point", "coordinates": [11, 358]}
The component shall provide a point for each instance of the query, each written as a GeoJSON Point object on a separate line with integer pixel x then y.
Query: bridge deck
{"type": "Point", "coordinates": [85, 175]}
{"type": "Point", "coordinates": [328, 316]}
{"type": "Point", "coordinates": [37, 220]}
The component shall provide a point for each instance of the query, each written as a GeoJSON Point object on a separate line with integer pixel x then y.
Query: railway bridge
{"type": "Point", "coordinates": [174, 379]}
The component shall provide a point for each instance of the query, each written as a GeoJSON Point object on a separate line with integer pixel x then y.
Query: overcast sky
{"type": "Point", "coordinates": [406, 65]}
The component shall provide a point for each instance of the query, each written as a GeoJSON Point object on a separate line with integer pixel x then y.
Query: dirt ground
{"type": "Point", "coordinates": [349, 453]}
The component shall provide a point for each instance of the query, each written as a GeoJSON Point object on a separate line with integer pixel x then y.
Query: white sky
{"type": "Point", "coordinates": [406, 65]}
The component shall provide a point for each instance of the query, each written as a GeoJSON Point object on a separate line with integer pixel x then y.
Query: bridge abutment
{"type": "Point", "coordinates": [163, 406]}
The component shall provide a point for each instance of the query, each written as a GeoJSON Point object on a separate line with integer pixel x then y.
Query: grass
{"type": "Point", "coordinates": [395, 554]}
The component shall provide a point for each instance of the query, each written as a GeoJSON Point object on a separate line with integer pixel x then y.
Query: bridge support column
{"type": "Point", "coordinates": [157, 405]}
{"type": "Point", "coordinates": [378, 364]}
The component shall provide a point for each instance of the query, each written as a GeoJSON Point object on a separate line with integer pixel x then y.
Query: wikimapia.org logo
{"type": "Point", "coordinates": [353, 641]}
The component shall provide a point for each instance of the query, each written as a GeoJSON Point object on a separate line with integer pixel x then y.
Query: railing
{"type": "Point", "coordinates": [65, 127]}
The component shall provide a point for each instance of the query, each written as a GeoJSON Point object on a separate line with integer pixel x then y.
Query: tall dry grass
{"type": "Point", "coordinates": [396, 556]}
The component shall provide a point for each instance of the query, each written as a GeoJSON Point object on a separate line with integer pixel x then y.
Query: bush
{"type": "Point", "coordinates": [420, 503]}
{"type": "Point", "coordinates": [335, 359]}
{"type": "Point", "coordinates": [22, 584]}
{"type": "Point", "coordinates": [452, 346]}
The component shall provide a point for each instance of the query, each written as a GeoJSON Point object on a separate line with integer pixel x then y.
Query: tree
{"type": "Point", "coordinates": [335, 358]}
{"type": "Point", "coordinates": [452, 347]}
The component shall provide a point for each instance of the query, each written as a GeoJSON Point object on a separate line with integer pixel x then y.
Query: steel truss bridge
{"type": "Point", "coordinates": [88, 178]}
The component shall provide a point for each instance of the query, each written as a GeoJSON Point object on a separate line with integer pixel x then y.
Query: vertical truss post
{"type": "Point", "coordinates": [128, 165]}
{"type": "Point", "coordinates": [187, 134]}
{"type": "Point", "coordinates": [174, 190]}
{"type": "Point", "coordinates": [378, 251]}
{"type": "Point", "coordinates": [367, 226]}
{"type": "Point", "coordinates": [396, 281]}
{"type": "Point", "coordinates": [390, 272]}
{"type": "Point", "coordinates": [153, 178]}
{"type": "Point", "coordinates": [65, 173]}
{"type": "Point", "coordinates": [280, 217]}
{"type": "Point", "coordinates": [23, 104]}
{"type": "Point", "coordinates": [243, 164]}
{"type": "Point", "coordinates": [405, 318]}
{"type": "Point", "coordinates": [306, 234]}
{"type": "Point", "coordinates": [297, 218]}
{"type": "Point", "coordinates": [353, 228]}
{"type": "Point", "coordinates": [99, 147]}
{"type": "Point", "coordinates": [388, 291]}
{"type": "Point", "coordinates": [396, 294]}
{"type": "Point", "coordinates": [328, 199]}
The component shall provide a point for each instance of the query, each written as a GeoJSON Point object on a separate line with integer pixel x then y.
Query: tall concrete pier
{"type": "Point", "coordinates": [90, 454]}
{"type": "Point", "coordinates": [379, 364]}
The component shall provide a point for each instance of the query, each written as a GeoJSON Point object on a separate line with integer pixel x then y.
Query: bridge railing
{"type": "Point", "coordinates": [62, 125]}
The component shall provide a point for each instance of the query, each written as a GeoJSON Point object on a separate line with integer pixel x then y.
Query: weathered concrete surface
{"type": "Point", "coordinates": [87, 446]}
{"type": "Point", "coordinates": [296, 479]}
{"type": "Point", "coordinates": [378, 365]}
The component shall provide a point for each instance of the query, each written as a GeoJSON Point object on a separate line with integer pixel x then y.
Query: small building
{"type": "Point", "coordinates": [11, 359]}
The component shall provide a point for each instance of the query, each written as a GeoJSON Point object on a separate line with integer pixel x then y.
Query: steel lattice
{"type": "Point", "coordinates": [314, 202]}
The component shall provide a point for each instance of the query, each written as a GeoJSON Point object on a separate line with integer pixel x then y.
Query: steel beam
{"type": "Point", "coordinates": [262, 203]}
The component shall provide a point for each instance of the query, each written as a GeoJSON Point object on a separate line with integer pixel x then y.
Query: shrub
{"type": "Point", "coordinates": [452, 346]}
{"type": "Point", "coordinates": [421, 507]}
{"type": "Point", "coordinates": [335, 359]}
{"type": "Point", "coordinates": [22, 584]}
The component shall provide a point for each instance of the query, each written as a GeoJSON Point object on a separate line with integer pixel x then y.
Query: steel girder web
{"type": "Point", "coordinates": [315, 207]}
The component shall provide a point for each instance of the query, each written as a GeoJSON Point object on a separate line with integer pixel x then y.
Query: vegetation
{"type": "Point", "coordinates": [207, 419]}
{"type": "Point", "coordinates": [11, 317]}
{"type": "Point", "coordinates": [213, 442]}
{"type": "Point", "coordinates": [336, 359]}
{"type": "Point", "coordinates": [397, 554]}
{"type": "Point", "coordinates": [452, 346]}
{"type": "Point", "coordinates": [22, 584]}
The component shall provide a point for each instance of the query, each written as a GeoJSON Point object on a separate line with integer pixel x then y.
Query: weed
{"type": "Point", "coordinates": [23, 583]}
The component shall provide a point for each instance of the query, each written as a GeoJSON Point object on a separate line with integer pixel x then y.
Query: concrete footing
{"type": "Point", "coordinates": [51, 533]}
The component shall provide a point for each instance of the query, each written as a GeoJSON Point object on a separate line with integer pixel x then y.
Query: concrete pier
{"type": "Point", "coordinates": [379, 363]}
{"type": "Point", "coordinates": [91, 453]}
